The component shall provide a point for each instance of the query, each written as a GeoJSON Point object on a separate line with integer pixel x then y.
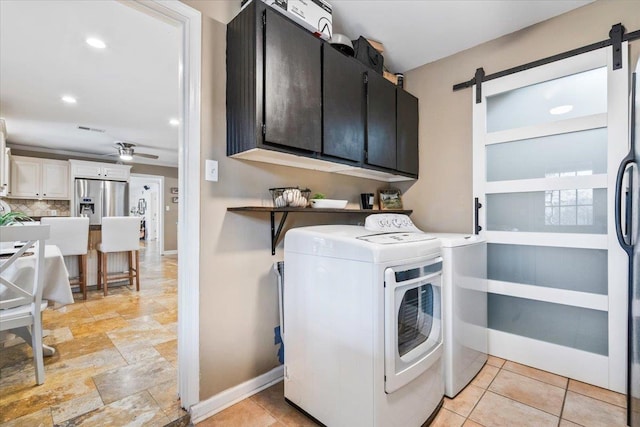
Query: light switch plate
{"type": "Point", "coordinates": [211, 173]}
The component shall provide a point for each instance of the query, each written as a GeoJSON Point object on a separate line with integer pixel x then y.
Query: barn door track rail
{"type": "Point", "coordinates": [617, 36]}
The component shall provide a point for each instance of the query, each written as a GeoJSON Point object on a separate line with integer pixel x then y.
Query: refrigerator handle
{"type": "Point", "coordinates": [628, 160]}
{"type": "Point", "coordinates": [627, 246]}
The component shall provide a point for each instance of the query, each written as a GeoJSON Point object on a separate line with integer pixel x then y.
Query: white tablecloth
{"type": "Point", "coordinates": [56, 277]}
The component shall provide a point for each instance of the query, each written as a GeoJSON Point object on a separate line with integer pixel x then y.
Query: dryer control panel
{"type": "Point", "coordinates": [390, 223]}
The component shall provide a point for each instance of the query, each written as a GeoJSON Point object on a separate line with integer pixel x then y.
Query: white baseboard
{"type": "Point", "coordinates": [206, 408]}
{"type": "Point", "coordinates": [172, 252]}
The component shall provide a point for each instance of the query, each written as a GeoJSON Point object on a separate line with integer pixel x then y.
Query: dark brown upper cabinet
{"type": "Point", "coordinates": [274, 84]}
{"type": "Point", "coordinates": [294, 100]}
{"type": "Point", "coordinates": [406, 133]}
{"type": "Point", "coordinates": [343, 100]}
{"type": "Point", "coordinates": [381, 122]}
{"type": "Point", "coordinates": [292, 85]}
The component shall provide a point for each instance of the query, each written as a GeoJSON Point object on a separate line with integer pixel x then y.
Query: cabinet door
{"type": "Point", "coordinates": [4, 162]}
{"type": "Point", "coordinates": [87, 171]}
{"type": "Point", "coordinates": [55, 179]}
{"type": "Point", "coordinates": [25, 177]}
{"type": "Point", "coordinates": [115, 172]}
{"type": "Point", "coordinates": [407, 133]}
{"type": "Point", "coordinates": [381, 122]}
{"type": "Point", "coordinates": [6, 172]}
{"type": "Point", "coordinates": [292, 85]}
{"type": "Point", "coordinates": [343, 106]}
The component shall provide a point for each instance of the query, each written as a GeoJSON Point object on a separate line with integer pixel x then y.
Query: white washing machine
{"type": "Point", "coordinates": [362, 324]}
{"type": "Point", "coordinates": [464, 284]}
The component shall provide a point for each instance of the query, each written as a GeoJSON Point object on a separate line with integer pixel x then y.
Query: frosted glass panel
{"type": "Point", "coordinates": [575, 269]}
{"type": "Point", "coordinates": [560, 324]}
{"type": "Point", "coordinates": [549, 101]}
{"type": "Point", "coordinates": [569, 154]}
{"type": "Point", "coordinates": [553, 211]}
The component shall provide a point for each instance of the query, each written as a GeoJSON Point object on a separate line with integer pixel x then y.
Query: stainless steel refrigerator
{"type": "Point", "coordinates": [96, 199]}
{"type": "Point", "coordinates": [628, 232]}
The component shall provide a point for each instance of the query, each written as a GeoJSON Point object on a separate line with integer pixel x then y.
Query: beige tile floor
{"type": "Point", "coordinates": [115, 361]}
{"type": "Point", "coordinates": [116, 365]}
{"type": "Point", "coordinates": [503, 393]}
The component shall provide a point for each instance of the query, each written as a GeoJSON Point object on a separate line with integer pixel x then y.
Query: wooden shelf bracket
{"type": "Point", "coordinates": [275, 234]}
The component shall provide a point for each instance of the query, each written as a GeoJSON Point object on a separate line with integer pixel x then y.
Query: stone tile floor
{"type": "Point", "coordinates": [503, 393]}
{"type": "Point", "coordinates": [115, 361]}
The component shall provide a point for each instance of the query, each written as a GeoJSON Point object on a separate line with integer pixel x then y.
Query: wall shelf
{"type": "Point", "coordinates": [275, 232]}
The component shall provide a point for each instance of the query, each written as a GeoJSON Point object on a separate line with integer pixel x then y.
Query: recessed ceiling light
{"type": "Point", "coordinates": [97, 43]}
{"type": "Point", "coordinates": [561, 109]}
{"type": "Point", "coordinates": [174, 122]}
{"type": "Point", "coordinates": [69, 99]}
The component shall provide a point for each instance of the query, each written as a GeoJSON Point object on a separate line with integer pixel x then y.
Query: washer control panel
{"type": "Point", "coordinates": [390, 223]}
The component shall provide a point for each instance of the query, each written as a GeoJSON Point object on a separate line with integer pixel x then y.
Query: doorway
{"type": "Point", "coordinates": [146, 200]}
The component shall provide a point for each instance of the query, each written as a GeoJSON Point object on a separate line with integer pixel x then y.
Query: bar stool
{"type": "Point", "coordinates": [71, 236]}
{"type": "Point", "coordinates": [119, 234]}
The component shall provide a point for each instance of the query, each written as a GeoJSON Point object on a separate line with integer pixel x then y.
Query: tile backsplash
{"type": "Point", "coordinates": [40, 207]}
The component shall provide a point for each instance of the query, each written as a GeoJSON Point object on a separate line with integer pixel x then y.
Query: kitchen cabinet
{"type": "Point", "coordinates": [5, 156]}
{"type": "Point", "coordinates": [34, 178]}
{"type": "Point", "coordinates": [343, 106]}
{"type": "Point", "coordinates": [293, 100]}
{"type": "Point", "coordinates": [96, 170]}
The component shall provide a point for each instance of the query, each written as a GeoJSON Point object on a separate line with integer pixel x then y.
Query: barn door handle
{"type": "Point", "coordinates": [477, 228]}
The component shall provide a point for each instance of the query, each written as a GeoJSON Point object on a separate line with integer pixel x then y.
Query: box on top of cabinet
{"type": "Point", "coordinates": [314, 15]}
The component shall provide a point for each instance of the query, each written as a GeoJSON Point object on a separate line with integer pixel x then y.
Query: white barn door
{"type": "Point", "coordinates": [547, 144]}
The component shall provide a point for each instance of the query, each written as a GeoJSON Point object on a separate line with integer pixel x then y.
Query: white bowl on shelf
{"type": "Point", "coordinates": [328, 203]}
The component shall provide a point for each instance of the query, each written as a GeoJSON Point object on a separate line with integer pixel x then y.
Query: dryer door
{"type": "Point", "coordinates": [413, 321]}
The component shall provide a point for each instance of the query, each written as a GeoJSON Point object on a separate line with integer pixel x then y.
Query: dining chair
{"type": "Point", "coordinates": [71, 236]}
{"type": "Point", "coordinates": [21, 304]}
{"type": "Point", "coordinates": [119, 234]}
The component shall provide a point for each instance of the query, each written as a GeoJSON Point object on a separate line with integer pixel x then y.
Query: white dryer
{"type": "Point", "coordinates": [464, 284]}
{"type": "Point", "coordinates": [363, 324]}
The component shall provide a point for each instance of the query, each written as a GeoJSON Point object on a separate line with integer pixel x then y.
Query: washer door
{"type": "Point", "coordinates": [413, 322]}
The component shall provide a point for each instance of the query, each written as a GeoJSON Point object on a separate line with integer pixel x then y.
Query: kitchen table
{"type": "Point", "coordinates": [56, 283]}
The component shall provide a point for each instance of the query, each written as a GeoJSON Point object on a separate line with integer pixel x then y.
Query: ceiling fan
{"type": "Point", "coordinates": [126, 151]}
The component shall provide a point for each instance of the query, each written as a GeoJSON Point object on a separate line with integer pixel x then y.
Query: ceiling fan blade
{"type": "Point", "coordinates": [148, 156]}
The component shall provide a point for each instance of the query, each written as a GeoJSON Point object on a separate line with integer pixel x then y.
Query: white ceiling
{"type": "Point", "coordinates": [416, 32]}
{"type": "Point", "coordinates": [130, 89]}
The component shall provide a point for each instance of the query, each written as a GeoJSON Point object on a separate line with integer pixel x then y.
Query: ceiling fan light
{"type": "Point", "coordinates": [126, 154]}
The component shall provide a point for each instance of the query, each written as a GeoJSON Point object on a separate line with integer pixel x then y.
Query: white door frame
{"type": "Point", "coordinates": [156, 179]}
{"type": "Point", "coordinates": [190, 22]}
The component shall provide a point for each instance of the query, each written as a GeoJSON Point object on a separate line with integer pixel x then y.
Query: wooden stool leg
{"type": "Point", "coordinates": [130, 259]}
{"type": "Point", "coordinates": [138, 271]}
{"type": "Point", "coordinates": [105, 271]}
{"type": "Point", "coordinates": [82, 269]}
{"type": "Point", "coordinates": [99, 279]}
